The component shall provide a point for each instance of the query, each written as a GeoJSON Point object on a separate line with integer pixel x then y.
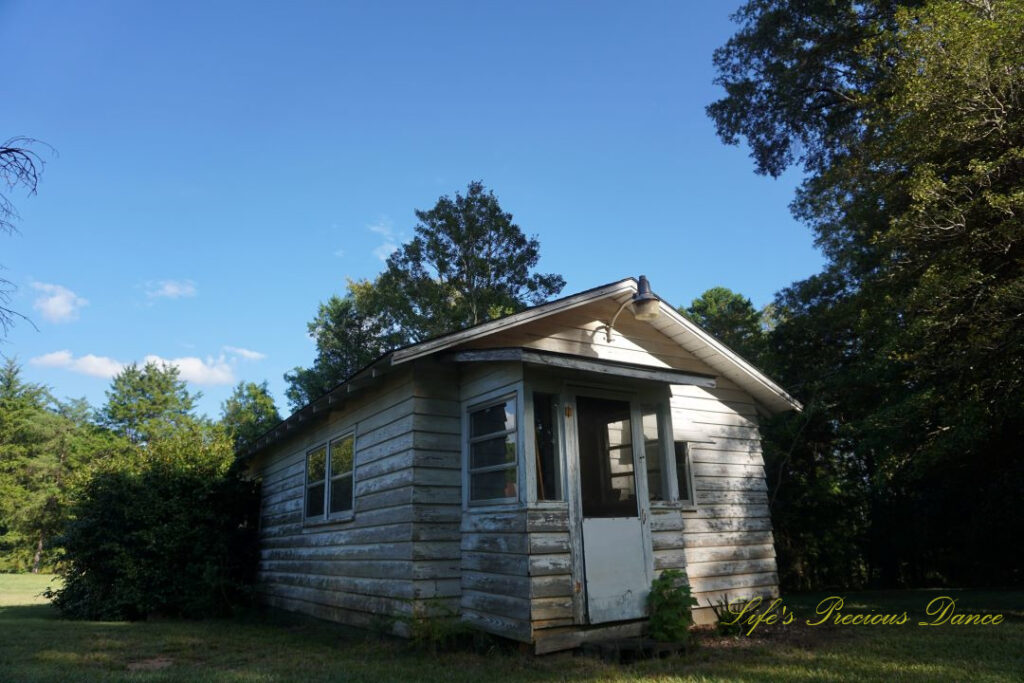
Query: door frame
{"type": "Point", "coordinates": [570, 390]}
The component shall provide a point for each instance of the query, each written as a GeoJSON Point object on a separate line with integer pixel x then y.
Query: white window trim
{"type": "Point", "coordinates": [480, 403]}
{"type": "Point", "coordinates": [327, 517]}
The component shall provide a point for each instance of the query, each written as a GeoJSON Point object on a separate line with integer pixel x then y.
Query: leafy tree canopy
{"type": "Point", "coordinates": [908, 120]}
{"type": "Point", "coordinates": [140, 397]}
{"type": "Point", "coordinates": [729, 317]}
{"type": "Point", "coordinates": [249, 412]}
{"type": "Point", "coordinates": [468, 263]}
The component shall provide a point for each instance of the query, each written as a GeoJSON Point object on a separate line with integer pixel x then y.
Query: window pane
{"type": "Point", "coordinates": [490, 452]}
{"type": "Point", "coordinates": [316, 465]}
{"type": "Point", "coordinates": [607, 485]}
{"type": "Point", "coordinates": [652, 454]}
{"type": "Point", "coordinates": [341, 494]}
{"type": "Point", "coordinates": [548, 480]}
{"type": "Point", "coordinates": [491, 485]}
{"type": "Point", "coordinates": [341, 455]}
{"type": "Point", "coordinates": [683, 471]}
{"type": "Point", "coordinates": [315, 501]}
{"type": "Point", "coordinates": [499, 418]}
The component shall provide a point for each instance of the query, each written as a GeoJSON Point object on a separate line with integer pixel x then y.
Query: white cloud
{"type": "Point", "coordinates": [383, 251]}
{"type": "Point", "coordinates": [198, 371]}
{"type": "Point", "coordinates": [339, 252]}
{"type": "Point", "coordinates": [57, 359]}
{"type": "Point", "coordinates": [390, 244]}
{"type": "Point", "coordinates": [210, 371]}
{"type": "Point", "coordinates": [170, 289]}
{"type": "Point", "coordinates": [247, 354]}
{"type": "Point", "coordinates": [89, 364]}
{"type": "Point", "coordinates": [57, 304]}
{"type": "Point", "coordinates": [382, 227]}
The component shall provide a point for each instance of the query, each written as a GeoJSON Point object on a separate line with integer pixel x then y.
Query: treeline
{"type": "Point", "coordinates": [50, 450]}
{"type": "Point", "coordinates": [907, 119]}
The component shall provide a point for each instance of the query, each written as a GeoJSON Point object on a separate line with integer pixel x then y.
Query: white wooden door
{"type": "Point", "coordinates": [616, 538]}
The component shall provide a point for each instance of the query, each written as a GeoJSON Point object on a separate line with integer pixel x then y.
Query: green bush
{"type": "Point", "coordinates": [168, 530]}
{"type": "Point", "coordinates": [671, 604]}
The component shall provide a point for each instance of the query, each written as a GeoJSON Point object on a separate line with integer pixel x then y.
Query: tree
{"type": "Point", "coordinates": [248, 413]}
{"type": "Point", "coordinates": [27, 431]}
{"type": "Point", "coordinates": [908, 120]}
{"type": "Point", "coordinates": [468, 263]}
{"type": "Point", "coordinates": [350, 332]}
{"type": "Point", "coordinates": [19, 165]}
{"type": "Point", "coordinates": [44, 443]}
{"type": "Point", "coordinates": [729, 317]}
{"type": "Point", "coordinates": [168, 528]}
{"type": "Point", "coordinates": [139, 399]}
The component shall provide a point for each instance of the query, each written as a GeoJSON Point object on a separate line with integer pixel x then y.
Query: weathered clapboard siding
{"type": "Point", "coordinates": [726, 542]}
{"type": "Point", "coordinates": [551, 588]}
{"type": "Point", "coordinates": [581, 331]}
{"type": "Point", "coordinates": [348, 570]}
{"type": "Point", "coordinates": [494, 551]}
{"type": "Point", "coordinates": [495, 572]}
{"type": "Point", "coordinates": [437, 480]}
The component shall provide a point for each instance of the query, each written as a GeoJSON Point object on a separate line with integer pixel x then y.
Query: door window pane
{"type": "Point", "coordinates": [607, 482]}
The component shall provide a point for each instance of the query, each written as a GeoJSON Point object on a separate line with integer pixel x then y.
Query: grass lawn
{"type": "Point", "coordinates": [36, 645]}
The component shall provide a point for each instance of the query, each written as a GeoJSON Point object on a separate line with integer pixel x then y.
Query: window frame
{"type": "Point", "coordinates": [326, 516]}
{"type": "Point", "coordinates": [689, 502]}
{"type": "Point", "coordinates": [468, 440]}
{"type": "Point", "coordinates": [331, 476]}
{"type": "Point", "coordinates": [663, 417]}
{"type": "Point", "coordinates": [672, 494]}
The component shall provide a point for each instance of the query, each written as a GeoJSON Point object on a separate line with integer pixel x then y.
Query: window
{"type": "Point", "coordinates": [329, 479]}
{"type": "Point", "coordinates": [684, 472]}
{"type": "Point", "coordinates": [493, 450]}
{"type": "Point", "coordinates": [545, 443]}
{"type": "Point", "coordinates": [653, 452]}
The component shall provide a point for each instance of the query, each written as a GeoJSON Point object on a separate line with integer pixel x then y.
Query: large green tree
{"type": "Point", "coordinates": [350, 332]}
{"type": "Point", "coordinates": [908, 122]}
{"type": "Point", "coordinates": [248, 412]}
{"type": "Point", "coordinates": [44, 444]}
{"type": "Point", "coordinates": [731, 318]}
{"type": "Point", "coordinates": [467, 263]}
{"type": "Point", "coordinates": [141, 398]}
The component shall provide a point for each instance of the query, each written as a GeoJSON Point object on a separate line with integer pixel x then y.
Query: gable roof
{"type": "Point", "coordinates": [670, 323]}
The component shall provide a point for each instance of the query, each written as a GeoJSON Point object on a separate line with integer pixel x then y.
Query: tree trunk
{"type": "Point", "coordinates": [38, 556]}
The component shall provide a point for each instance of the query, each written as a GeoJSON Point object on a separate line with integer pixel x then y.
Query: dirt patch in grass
{"type": "Point", "coordinates": [151, 664]}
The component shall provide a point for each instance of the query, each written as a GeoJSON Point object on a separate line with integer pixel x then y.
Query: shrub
{"type": "Point", "coordinates": [671, 604]}
{"type": "Point", "coordinates": [167, 530]}
{"type": "Point", "coordinates": [727, 622]}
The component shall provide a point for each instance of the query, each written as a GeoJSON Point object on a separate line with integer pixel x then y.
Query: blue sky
{"type": "Point", "coordinates": [223, 167]}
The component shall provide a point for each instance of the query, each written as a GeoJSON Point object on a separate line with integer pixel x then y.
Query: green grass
{"type": "Point", "coordinates": [36, 645]}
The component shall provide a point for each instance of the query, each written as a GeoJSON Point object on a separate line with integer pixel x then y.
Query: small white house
{"type": "Point", "coordinates": [533, 474]}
